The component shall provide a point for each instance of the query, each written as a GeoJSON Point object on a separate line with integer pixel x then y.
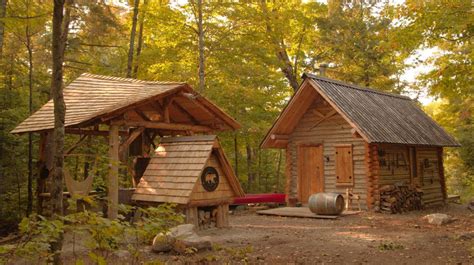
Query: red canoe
{"type": "Point", "coordinates": [261, 198]}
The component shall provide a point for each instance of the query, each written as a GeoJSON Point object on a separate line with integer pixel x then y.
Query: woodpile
{"type": "Point", "coordinates": [400, 198]}
{"type": "Point", "coordinates": [207, 218]}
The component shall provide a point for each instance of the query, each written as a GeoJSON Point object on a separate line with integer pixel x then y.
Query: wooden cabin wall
{"type": "Point", "coordinates": [333, 131]}
{"type": "Point", "coordinates": [429, 166]}
{"type": "Point", "coordinates": [394, 164]}
{"type": "Point", "coordinates": [223, 192]}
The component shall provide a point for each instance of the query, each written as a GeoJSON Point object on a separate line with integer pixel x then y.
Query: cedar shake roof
{"type": "Point", "coordinates": [91, 97]}
{"type": "Point", "coordinates": [379, 117]}
{"type": "Point", "coordinates": [176, 167]}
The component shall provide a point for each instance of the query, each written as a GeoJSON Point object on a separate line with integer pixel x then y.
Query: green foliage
{"type": "Point", "coordinates": [363, 42]}
{"type": "Point", "coordinates": [102, 236]}
{"type": "Point", "coordinates": [155, 220]}
{"type": "Point", "coordinates": [451, 78]}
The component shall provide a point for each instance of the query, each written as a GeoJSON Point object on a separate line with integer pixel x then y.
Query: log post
{"type": "Point", "coordinates": [192, 216]}
{"type": "Point", "coordinates": [112, 183]}
{"type": "Point", "coordinates": [222, 218]}
{"type": "Point", "coordinates": [441, 173]}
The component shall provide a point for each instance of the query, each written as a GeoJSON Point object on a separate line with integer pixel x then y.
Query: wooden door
{"type": "Point", "coordinates": [310, 171]}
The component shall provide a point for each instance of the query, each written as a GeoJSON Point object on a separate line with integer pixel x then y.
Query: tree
{"type": "Point", "coordinates": [451, 77]}
{"type": "Point", "coordinates": [3, 8]}
{"type": "Point", "coordinates": [363, 44]}
{"type": "Point", "coordinates": [60, 30]}
{"type": "Point", "coordinates": [133, 32]}
{"type": "Point", "coordinates": [140, 38]}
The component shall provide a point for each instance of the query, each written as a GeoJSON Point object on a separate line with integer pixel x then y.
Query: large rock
{"type": "Point", "coordinates": [162, 243]}
{"type": "Point", "coordinates": [438, 218]}
{"type": "Point", "coordinates": [197, 242]}
{"type": "Point", "coordinates": [182, 231]}
{"type": "Point", "coordinates": [179, 239]}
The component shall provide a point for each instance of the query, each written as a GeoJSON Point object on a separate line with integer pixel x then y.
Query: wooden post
{"type": "Point", "coordinates": [442, 179]}
{"type": "Point", "coordinates": [192, 216]}
{"type": "Point", "coordinates": [222, 218]}
{"type": "Point", "coordinates": [225, 211]}
{"type": "Point", "coordinates": [112, 183]}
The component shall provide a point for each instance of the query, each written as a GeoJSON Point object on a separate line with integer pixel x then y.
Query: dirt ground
{"type": "Point", "coordinates": [366, 238]}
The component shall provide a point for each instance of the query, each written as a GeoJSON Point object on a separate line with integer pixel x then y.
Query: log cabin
{"type": "Point", "coordinates": [340, 137]}
{"type": "Point", "coordinates": [131, 115]}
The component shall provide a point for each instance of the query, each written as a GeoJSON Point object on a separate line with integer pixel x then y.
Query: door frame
{"type": "Point", "coordinates": [300, 166]}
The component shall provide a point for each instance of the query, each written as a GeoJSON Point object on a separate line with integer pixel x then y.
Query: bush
{"type": "Point", "coordinates": [102, 236]}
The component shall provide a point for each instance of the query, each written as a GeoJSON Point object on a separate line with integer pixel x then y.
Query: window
{"type": "Point", "coordinates": [344, 168]}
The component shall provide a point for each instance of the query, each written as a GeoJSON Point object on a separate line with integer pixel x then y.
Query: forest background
{"type": "Point", "coordinates": [248, 58]}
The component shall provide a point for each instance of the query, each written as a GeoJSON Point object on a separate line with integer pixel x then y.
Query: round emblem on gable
{"type": "Point", "coordinates": [210, 179]}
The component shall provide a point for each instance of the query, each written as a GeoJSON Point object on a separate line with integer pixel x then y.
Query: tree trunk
{"type": "Point", "coordinates": [3, 9]}
{"type": "Point", "coordinates": [60, 30]}
{"type": "Point", "coordinates": [236, 155]}
{"type": "Point", "coordinates": [280, 154]}
{"type": "Point", "coordinates": [259, 168]}
{"type": "Point", "coordinates": [202, 81]}
{"type": "Point", "coordinates": [112, 181]}
{"type": "Point", "coordinates": [280, 49]}
{"type": "Point", "coordinates": [29, 47]}
{"type": "Point", "coordinates": [132, 38]}
{"type": "Point", "coordinates": [250, 172]}
{"type": "Point", "coordinates": [140, 40]}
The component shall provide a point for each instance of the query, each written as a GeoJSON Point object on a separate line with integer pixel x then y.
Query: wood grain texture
{"type": "Point", "coordinates": [344, 166]}
{"type": "Point", "coordinates": [330, 133]}
{"type": "Point", "coordinates": [174, 173]}
{"type": "Point", "coordinates": [93, 99]}
{"type": "Point", "coordinates": [378, 117]}
{"type": "Point", "coordinates": [310, 171]}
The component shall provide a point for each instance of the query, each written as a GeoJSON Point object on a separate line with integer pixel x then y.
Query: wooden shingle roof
{"type": "Point", "coordinates": [177, 165]}
{"type": "Point", "coordinates": [379, 117]}
{"type": "Point", "coordinates": [90, 97]}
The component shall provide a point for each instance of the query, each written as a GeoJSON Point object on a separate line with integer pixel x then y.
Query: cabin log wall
{"type": "Point", "coordinates": [394, 164]}
{"type": "Point", "coordinates": [429, 176]}
{"type": "Point", "coordinates": [432, 182]}
{"type": "Point", "coordinates": [331, 132]}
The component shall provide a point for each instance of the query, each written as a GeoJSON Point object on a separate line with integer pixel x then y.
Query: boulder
{"type": "Point", "coordinates": [162, 243]}
{"type": "Point", "coordinates": [179, 239]}
{"type": "Point", "coordinates": [438, 218]}
{"type": "Point", "coordinates": [197, 242]}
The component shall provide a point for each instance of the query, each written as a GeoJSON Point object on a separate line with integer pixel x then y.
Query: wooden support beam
{"type": "Point", "coordinates": [164, 126]}
{"type": "Point", "coordinates": [355, 133]}
{"type": "Point", "coordinates": [112, 181]}
{"type": "Point", "coordinates": [166, 108]}
{"type": "Point", "coordinates": [72, 148]}
{"type": "Point", "coordinates": [92, 132]}
{"type": "Point", "coordinates": [192, 216]}
{"type": "Point", "coordinates": [442, 179]}
{"type": "Point", "coordinates": [142, 115]}
{"type": "Point", "coordinates": [130, 139]}
{"type": "Point", "coordinates": [279, 137]}
{"type": "Point", "coordinates": [185, 112]}
{"type": "Point", "coordinates": [327, 116]}
{"type": "Point", "coordinates": [317, 113]}
{"type": "Point", "coordinates": [281, 143]}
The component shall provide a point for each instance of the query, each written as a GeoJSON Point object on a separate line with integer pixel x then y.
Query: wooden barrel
{"type": "Point", "coordinates": [326, 203]}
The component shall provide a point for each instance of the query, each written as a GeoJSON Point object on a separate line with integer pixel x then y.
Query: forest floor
{"type": "Point", "coordinates": [366, 238]}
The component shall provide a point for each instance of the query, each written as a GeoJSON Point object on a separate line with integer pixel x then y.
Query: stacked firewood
{"type": "Point", "coordinates": [400, 198]}
{"type": "Point", "coordinates": [207, 218]}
